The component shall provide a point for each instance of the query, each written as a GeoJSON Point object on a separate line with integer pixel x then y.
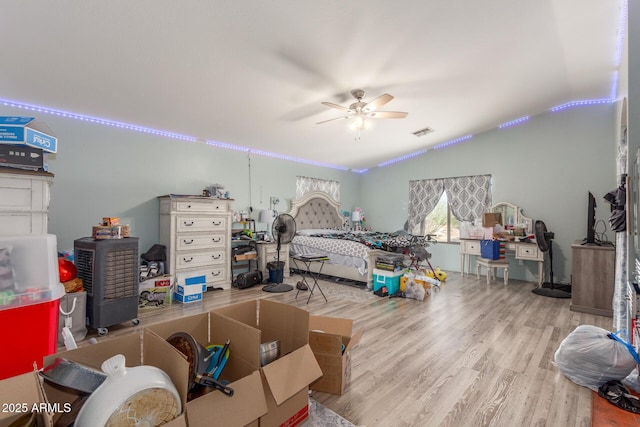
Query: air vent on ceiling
{"type": "Point", "coordinates": [423, 132]}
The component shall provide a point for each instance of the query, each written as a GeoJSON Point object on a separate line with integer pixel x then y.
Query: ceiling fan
{"type": "Point", "coordinates": [360, 111]}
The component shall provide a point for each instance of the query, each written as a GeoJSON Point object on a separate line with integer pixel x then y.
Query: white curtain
{"type": "Point", "coordinates": [468, 197]}
{"type": "Point", "coordinates": [305, 184]}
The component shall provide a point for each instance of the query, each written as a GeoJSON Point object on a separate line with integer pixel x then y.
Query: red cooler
{"type": "Point", "coordinates": [30, 293]}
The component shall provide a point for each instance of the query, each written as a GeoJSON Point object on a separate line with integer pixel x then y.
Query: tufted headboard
{"type": "Point", "coordinates": [316, 210]}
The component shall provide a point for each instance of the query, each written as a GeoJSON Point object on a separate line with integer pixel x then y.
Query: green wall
{"type": "Point", "coordinates": [545, 165]}
{"type": "Point", "coordinates": [104, 171]}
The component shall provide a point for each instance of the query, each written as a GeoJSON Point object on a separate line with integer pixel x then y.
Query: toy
{"type": "Point", "coordinates": [67, 270]}
{"type": "Point", "coordinates": [438, 274]}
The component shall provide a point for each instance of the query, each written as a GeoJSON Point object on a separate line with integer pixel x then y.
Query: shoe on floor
{"type": "Point", "coordinates": [301, 286]}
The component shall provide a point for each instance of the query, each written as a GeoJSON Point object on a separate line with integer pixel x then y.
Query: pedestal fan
{"type": "Point", "coordinates": [283, 230]}
{"type": "Point", "coordinates": [544, 239]}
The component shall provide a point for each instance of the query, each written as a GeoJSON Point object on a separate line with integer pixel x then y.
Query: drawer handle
{"type": "Point", "coordinates": [217, 222]}
{"type": "Point", "coordinates": [187, 224]}
{"type": "Point", "coordinates": [217, 239]}
{"type": "Point", "coordinates": [187, 259]}
{"type": "Point", "coordinates": [218, 256]}
{"type": "Point", "coordinates": [187, 242]}
{"type": "Point", "coordinates": [216, 273]}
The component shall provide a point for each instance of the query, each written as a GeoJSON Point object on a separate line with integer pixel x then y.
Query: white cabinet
{"type": "Point", "coordinates": [268, 252]}
{"type": "Point", "coordinates": [197, 234]}
{"type": "Point", "coordinates": [24, 202]}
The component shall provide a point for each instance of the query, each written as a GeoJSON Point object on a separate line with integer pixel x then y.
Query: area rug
{"type": "Point", "coordinates": [321, 416]}
{"type": "Point", "coordinates": [345, 291]}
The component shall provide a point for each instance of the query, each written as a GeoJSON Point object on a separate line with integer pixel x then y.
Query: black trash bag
{"type": "Point", "coordinates": [155, 253]}
{"type": "Point", "coordinates": [617, 394]}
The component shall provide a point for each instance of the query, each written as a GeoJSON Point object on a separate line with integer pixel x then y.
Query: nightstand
{"type": "Point", "coordinates": [268, 252]}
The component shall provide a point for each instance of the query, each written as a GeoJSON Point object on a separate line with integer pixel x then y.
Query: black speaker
{"type": "Point", "coordinates": [249, 279]}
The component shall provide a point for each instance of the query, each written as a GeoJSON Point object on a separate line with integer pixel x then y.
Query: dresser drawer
{"type": "Point", "coordinates": [24, 194]}
{"type": "Point", "coordinates": [200, 259]}
{"type": "Point", "coordinates": [201, 206]}
{"type": "Point", "coordinates": [185, 241]}
{"type": "Point", "coordinates": [16, 223]}
{"type": "Point", "coordinates": [200, 223]}
{"type": "Point", "coordinates": [529, 251]}
{"type": "Point", "coordinates": [471, 247]}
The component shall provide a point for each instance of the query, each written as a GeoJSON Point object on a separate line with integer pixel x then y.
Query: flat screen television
{"type": "Point", "coordinates": [591, 221]}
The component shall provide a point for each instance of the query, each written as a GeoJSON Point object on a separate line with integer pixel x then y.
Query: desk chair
{"type": "Point", "coordinates": [492, 266]}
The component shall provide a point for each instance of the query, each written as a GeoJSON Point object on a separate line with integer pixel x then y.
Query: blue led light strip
{"type": "Point", "coordinates": [104, 122]}
{"type": "Point", "coordinates": [513, 122]}
{"type": "Point", "coordinates": [96, 120]}
{"type": "Point", "coordinates": [582, 104]}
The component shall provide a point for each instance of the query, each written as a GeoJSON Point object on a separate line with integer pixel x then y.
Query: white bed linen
{"type": "Point", "coordinates": [341, 252]}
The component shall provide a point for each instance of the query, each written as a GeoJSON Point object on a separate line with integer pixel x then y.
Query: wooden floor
{"type": "Point", "coordinates": [471, 354]}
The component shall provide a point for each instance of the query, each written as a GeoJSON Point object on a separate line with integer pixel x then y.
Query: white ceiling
{"type": "Point", "coordinates": [253, 73]}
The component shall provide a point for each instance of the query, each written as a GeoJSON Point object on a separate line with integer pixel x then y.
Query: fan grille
{"type": "Point", "coordinates": [150, 407]}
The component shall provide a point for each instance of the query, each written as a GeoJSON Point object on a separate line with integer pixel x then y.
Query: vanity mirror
{"type": "Point", "coordinates": [512, 216]}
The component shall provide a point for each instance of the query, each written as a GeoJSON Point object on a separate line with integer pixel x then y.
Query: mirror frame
{"type": "Point", "coordinates": [518, 217]}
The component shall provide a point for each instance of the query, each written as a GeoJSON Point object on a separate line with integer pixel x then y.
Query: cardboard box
{"type": "Point", "coordinates": [332, 340]}
{"type": "Point", "coordinates": [21, 395]}
{"type": "Point", "coordinates": [22, 157]}
{"type": "Point", "coordinates": [139, 349]}
{"type": "Point", "coordinates": [285, 380]}
{"type": "Point", "coordinates": [185, 299]}
{"type": "Point", "coordinates": [489, 219]}
{"type": "Point", "coordinates": [248, 402]}
{"type": "Point", "coordinates": [27, 131]}
{"type": "Point", "coordinates": [156, 291]}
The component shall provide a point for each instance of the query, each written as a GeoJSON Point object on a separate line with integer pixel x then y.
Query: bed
{"type": "Point", "coordinates": [320, 230]}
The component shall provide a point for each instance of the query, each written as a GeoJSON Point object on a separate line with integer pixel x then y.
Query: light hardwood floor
{"type": "Point", "coordinates": [471, 354]}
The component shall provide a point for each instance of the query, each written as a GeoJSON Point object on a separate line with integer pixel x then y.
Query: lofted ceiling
{"type": "Point", "coordinates": [254, 73]}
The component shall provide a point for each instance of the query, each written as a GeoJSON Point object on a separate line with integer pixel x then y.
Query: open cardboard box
{"type": "Point", "coordinates": [20, 396]}
{"type": "Point", "coordinates": [327, 336]}
{"type": "Point", "coordinates": [286, 380]}
{"type": "Point", "coordinates": [138, 349]}
{"type": "Point", "coordinates": [241, 371]}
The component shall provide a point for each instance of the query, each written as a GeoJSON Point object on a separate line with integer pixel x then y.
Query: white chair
{"type": "Point", "coordinates": [492, 266]}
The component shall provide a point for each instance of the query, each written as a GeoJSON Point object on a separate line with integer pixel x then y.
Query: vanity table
{"type": "Point", "coordinates": [511, 215]}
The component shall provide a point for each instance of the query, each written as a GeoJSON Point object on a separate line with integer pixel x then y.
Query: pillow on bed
{"type": "Point", "coordinates": [312, 231]}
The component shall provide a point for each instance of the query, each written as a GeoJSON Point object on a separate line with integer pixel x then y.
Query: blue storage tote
{"type": "Point", "coordinates": [492, 249]}
{"type": "Point", "coordinates": [390, 279]}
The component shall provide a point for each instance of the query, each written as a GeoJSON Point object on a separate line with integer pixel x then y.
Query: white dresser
{"type": "Point", "coordinates": [267, 252]}
{"type": "Point", "coordinates": [24, 201]}
{"type": "Point", "coordinates": [197, 234]}
{"type": "Point", "coordinates": [520, 250]}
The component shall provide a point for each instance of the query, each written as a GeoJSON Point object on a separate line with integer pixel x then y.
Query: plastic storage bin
{"type": "Point", "coordinates": [390, 279]}
{"type": "Point", "coordinates": [30, 292]}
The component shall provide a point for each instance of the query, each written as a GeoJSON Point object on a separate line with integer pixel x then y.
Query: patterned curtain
{"type": "Point", "coordinates": [305, 184]}
{"type": "Point", "coordinates": [423, 198]}
{"type": "Point", "coordinates": [468, 196]}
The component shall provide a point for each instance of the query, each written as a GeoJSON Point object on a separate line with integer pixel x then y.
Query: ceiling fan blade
{"type": "Point", "coordinates": [335, 118]}
{"type": "Point", "coordinates": [378, 102]}
{"type": "Point", "coordinates": [336, 106]}
{"type": "Point", "coordinates": [388, 114]}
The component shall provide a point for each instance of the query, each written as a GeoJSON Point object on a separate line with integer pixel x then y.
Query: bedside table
{"type": "Point", "coordinates": [267, 252]}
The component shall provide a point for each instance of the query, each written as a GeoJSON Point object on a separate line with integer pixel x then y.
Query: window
{"type": "Point", "coordinates": [441, 223]}
{"type": "Point", "coordinates": [437, 206]}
